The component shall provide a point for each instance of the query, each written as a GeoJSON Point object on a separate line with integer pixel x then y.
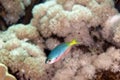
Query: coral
{"type": "Point", "coordinates": [103, 61]}
{"type": "Point", "coordinates": [93, 23]}
{"type": "Point", "coordinates": [26, 2]}
{"type": "Point", "coordinates": [51, 43]}
{"type": "Point", "coordinates": [111, 30]}
{"type": "Point", "coordinates": [14, 9]}
{"type": "Point", "coordinates": [79, 65]}
{"type": "Point", "coordinates": [24, 31]}
{"type": "Point", "coordinates": [4, 75]}
{"type": "Point", "coordinates": [71, 19]}
{"type": "Point", "coordinates": [83, 20]}
{"type": "Point", "coordinates": [20, 55]}
{"type": "Point", "coordinates": [88, 71]}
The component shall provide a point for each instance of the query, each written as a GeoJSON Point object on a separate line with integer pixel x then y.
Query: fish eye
{"type": "Point", "coordinates": [49, 60]}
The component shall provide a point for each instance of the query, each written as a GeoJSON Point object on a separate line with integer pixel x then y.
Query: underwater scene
{"type": "Point", "coordinates": [59, 39]}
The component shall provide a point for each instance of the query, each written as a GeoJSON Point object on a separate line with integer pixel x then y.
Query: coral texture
{"type": "Point", "coordinates": [111, 30]}
{"type": "Point", "coordinates": [4, 75]}
{"type": "Point", "coordinates": [20, 55]}
{"type": "Point", "coordinates": [95, 24]}
{"type": "Point", "coordinates": [71, 19]}
{"type": "Point", "coordinates": [14, 9]}
{"type": "Point", "coordinates": [84, 20]}
{"type": "Point", "coordinates": [51, 43]}
{"type": "Point", "coordinates": [84, 66]}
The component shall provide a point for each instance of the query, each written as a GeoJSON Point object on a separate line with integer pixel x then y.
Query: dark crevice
{"type": "Point", "coordinates": [47, 51]}
{"type": "Point", "coordinates": [60, 39]}
{"type": "Point", "coordinates": [24, 19]}
{"type": "Point", "coordinates": [95, 39]}
{"type": "Point", "coordinates": [84, 48]}
{"type": "Point", "coordinates": [103, 75]}
{"type": "Point", "coordinates": [28, 12]}
{"type": "Point", "coordinates": [108, 45]}
{"type": "Point", "coordinates": [95, 33]}
{"type": "Point", "coordinates": [2, 24]}
{"type": "Point", "coordinates": [15, 73]}
{"type": "Point", "coordinates": [2, 21]}
{"type": "Point", "coordinates": [117, 4]}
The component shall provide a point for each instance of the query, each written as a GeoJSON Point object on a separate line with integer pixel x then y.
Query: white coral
{"type": "Point", "coordinates": [19, 54]}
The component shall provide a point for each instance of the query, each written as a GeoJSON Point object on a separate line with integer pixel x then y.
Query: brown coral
{"type": "Point", "coordinates": [83, 21]}
{"type": "Point", "coordinates": [13, 9]}
{"type": "Point", "coordinates": [85, 66]}
{"type": "Point", "coordinates": [111, 30]}
{"type": "Point", "coordinates": [51, 43]}
{"type": "Point", "coordinates": [61, 21]}
{"type": "Point", "coordinates": [71, 19]}
{"type": "Point", "coordinates": [4, 75]}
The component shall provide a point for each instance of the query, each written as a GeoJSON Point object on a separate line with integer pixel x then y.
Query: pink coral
{"type": "Point", "coordinates": [88, 71]}
{"type": "Point", "coordinates": [71, 19]}
{"type": "Point", "coordinates": [111, 30]}
{"type": "Point", "coordinates": [14, 10]}
{"type": "Point", "coordinates": [114, 54]}
{"type": "Point", "coordinates": [57, 21]}
{"type": "Point", "coordinates": [103, 61]}
{"type": "Point", "coordinates": [84, 66]}
{"type": "Point", "coordinates": [51, 43]}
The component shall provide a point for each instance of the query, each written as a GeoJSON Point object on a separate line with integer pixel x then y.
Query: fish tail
{"type": "Point", "coordinates": [73, 42]}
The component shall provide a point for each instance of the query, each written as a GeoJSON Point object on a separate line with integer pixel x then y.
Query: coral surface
{"type": "Point", "coordinates": [4, 75]}
{"type": "Point", "coordinates": [71, 19]}
{"type": "Point", "coordinates": [13, 9]}
{"type": "Point", "coordinates": [111, 30]}
{"type": "Point", "coordinates": [63, 20]}
{"type": "Point", "coordinates": [94, 24]}
{"type": "Point", "coordinates": [84, 66]}
{"type": "Point", "coordinates": [19, 54]}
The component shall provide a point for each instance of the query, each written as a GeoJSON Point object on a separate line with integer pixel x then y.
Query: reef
{"type": "Point", "coordinates": [95, 24]}
{"type": "Point", "coordinates": [19, 53]}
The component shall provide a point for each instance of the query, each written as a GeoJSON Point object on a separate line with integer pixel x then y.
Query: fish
{"type": "Point", "coordinates": [59, 51]}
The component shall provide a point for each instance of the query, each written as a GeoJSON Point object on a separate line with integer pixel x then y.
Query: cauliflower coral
{"type": "Point", "coordinates": [71, 19]}
{"type": "Point", "coordinates": [111, 30]}
{"type": "Point", "coordinates": [21, 56]}
{"type": "Point", "coordinates": [93, 23]}
{"type": "Point", "coordinates": [84, 66]}
{"type": "Point", "coordinates": [84, 20]}
{"type": "Point", "coordinates": [14, 9]}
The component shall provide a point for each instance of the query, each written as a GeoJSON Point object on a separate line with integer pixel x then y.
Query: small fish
{"type": "Point", "coordinates": [59, 51]}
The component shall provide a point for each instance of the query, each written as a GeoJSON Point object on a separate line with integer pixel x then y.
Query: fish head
{"type": "Point", "coordinates": [50, 61]}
